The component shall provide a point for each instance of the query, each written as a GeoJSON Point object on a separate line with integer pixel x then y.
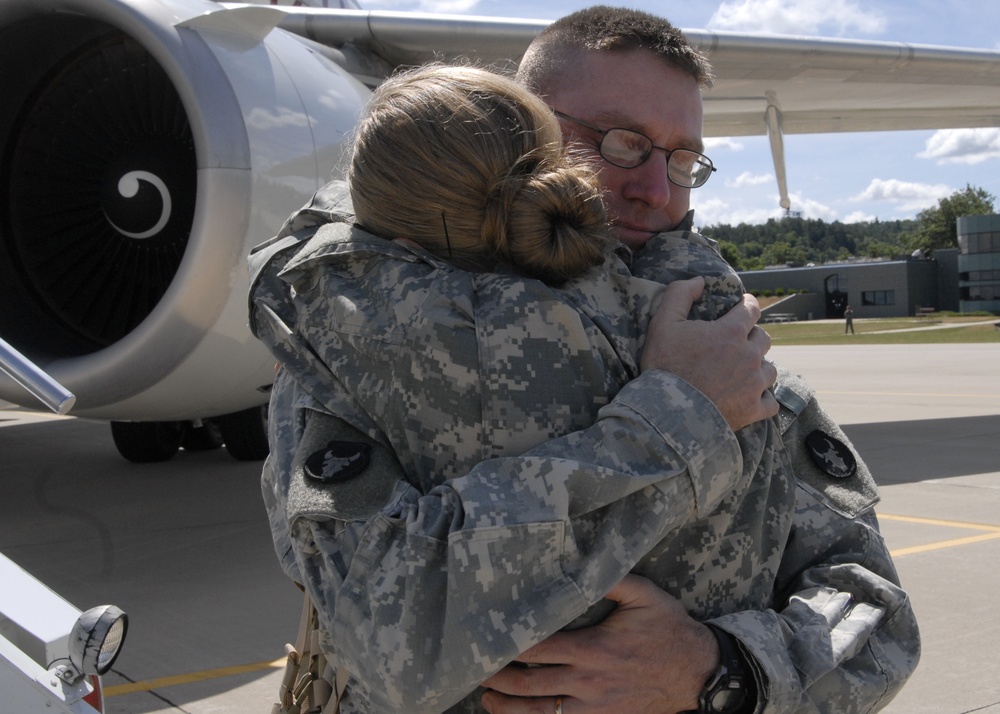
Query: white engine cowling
{"type": "Point", "coordinates": [144, 149]}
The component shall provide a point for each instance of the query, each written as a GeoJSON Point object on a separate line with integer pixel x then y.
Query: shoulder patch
{"type": "Point", "coordinates": [831, 455]}
{"type": "Point", "coordinates": [825, 462]}
{"type": "Point", "coordinates": [338, 461]}
{"type": "Point", "coordinates": [339, 472]}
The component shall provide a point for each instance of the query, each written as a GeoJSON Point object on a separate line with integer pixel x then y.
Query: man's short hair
{"type": "Point", "coordinates": [607, 29]}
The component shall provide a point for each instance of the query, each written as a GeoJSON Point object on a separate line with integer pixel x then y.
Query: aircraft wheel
{"type": "Point", "coordinates": [245, 433]}
{"type": "Point", "coordinates": [144, 442]}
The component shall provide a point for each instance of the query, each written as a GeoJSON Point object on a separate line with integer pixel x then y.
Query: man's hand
{"type": "Point", "coordinates": [723, 359]}
{"type": "Point", "coordinates": [647, 656]}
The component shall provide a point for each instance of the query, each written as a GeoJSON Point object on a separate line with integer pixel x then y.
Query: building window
{"type": "Point", "coordinates": [975, 276]}
{"type": "Point", "coordinates": [836, 283]}
{"type": "Point", "coordinates": [981, 292]}
{"type": "Point", "coordinates": [978, 243]}
{"type": "Point", "coordinates": [878, 297]}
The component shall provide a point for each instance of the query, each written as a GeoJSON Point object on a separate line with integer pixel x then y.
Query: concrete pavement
{"type": "Point", "coordinates": [183, 546]}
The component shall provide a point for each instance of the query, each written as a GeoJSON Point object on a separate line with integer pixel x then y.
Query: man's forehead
{"type": "Point", "coordinates": [633, 90]}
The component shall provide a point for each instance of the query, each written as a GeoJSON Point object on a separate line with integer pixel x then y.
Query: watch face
{"type": "Point", "coordinates": [727, 700]}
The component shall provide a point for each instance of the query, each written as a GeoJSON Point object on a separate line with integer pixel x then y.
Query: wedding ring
{"type": "Point", "coordinates": [559, 701]}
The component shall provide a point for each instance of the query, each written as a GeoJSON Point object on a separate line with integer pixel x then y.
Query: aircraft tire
{"type": "Point", "coordinates": [145, 442]}
{"type": "Point", "coordinates": [245, 433]}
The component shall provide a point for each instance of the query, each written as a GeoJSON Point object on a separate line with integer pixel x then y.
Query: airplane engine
{"type": "Point", "coordinates": [145, 147]}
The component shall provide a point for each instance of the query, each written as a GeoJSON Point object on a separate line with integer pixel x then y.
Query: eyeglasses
{"type": "Point", "coordinates": [629, 149]}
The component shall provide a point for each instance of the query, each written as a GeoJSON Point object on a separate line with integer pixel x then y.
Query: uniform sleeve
{"type": "Point", "coordinates": [679, 255]}
{"type": "Point", "coordinates": [436, 592]}
{"type": "Point", "coordinates": [842, 637]}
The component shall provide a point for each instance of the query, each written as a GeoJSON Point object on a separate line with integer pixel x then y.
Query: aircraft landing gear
{"type": "Point", "coordinates": [147, 442]}
{"type": "Point", "coordinates": [243, 433]}
{"type": "Point", "coordinates": [202, 435]}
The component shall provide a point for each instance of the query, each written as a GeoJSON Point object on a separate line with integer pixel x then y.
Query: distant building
{"type": "Point", "coordinates": [966, 279]}
{"type": "Point", "coordinates": [979, 263]}
{"type": "Point", "coordinates": [875, 288]}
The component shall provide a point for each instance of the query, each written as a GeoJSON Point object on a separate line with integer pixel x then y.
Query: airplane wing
{"type": "Point", "coordinates": [764, 84]}
{"type": "Point", "coordinates": [147, 146]}
{"type": "Point", "coordinates": [819, 84]}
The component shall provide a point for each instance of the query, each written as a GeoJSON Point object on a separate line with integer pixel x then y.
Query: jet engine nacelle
{"type": "Point", "coordinates": [145, 147]}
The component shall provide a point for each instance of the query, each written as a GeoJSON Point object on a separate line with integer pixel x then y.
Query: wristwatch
{"type": "Point", "coordinates": [732, 689]}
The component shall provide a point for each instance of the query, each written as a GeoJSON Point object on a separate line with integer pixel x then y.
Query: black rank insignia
{"type": "Point", "coordinates": [831, 455]}
{"type": "Point", "coordinates": [338, 461]}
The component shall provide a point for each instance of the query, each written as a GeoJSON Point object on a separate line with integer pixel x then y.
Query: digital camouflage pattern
{"type": "Point", "coordinates": [540, 467]}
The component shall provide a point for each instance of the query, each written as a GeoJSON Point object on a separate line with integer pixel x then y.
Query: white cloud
{"type": "Point", "coordinates": [713, 205]}
{"type": "Point", "coordinates": [735, 216]}
{"type": "Point", "coordinates": [906, 195]}
{"type": "Point", "coordinates": [797, 17]}
{"type": "Point", "coordinates": [810, 208]}
{"type": "Point", "coordinates": [858, 217]}
{"type": "Point", "coordinates": [748, 179]}
{"type": "Point", "coordinates": [715, 211]}
{"type": "Point", "coordinates": [715, 143]}
{"type": "Point", "coordinates": [963, 146]}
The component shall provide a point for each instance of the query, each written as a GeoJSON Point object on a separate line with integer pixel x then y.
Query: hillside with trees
{"type": "Point", "coordinates": [796, 241]}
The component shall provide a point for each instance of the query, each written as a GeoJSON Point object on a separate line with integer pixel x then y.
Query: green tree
{"type": "Point", "coordinates": [783, 253]}
{"type": "Point", "coordinates": [798, 241]}
{"type": "Point", "coordinates": [751, 249]}
{"type": "Point", "coordinates": [937, 227]}
{"type": "Point", "coordinates": [878, 249]}
{"type": "Point", "coordinates": [731, 253]}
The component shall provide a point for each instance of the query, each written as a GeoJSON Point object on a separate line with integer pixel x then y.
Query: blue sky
{"type": "Point", "coordinates": [846, 177]}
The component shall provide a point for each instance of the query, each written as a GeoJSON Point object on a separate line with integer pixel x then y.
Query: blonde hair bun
{"type": "Point", "coordinates": [550, 222]}
{"type": "Point", "coordinates": [470, 165]}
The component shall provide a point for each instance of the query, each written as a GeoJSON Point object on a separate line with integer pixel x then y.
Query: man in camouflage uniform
{"type": "Point", "coordinates": [428, 588]}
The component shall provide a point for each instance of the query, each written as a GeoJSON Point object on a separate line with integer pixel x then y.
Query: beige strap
{"type": "Point", "coordinates": [340, 680]}
{"type": "Point", "coordinates": [303, 689]}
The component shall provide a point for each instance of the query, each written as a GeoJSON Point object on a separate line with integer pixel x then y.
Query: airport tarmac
{"type": "Point", "coordinates": [184, 548]}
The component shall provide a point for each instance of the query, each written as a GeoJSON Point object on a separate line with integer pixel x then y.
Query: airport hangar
{"type": "Point", "coordinates": [966, 279]}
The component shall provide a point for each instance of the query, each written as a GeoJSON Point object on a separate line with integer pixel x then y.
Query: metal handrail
{"type": "Point", "coordinates": [33, 378]}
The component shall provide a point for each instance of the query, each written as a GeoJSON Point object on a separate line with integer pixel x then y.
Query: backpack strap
{"type": "Point", "coordinates": [306, 687]}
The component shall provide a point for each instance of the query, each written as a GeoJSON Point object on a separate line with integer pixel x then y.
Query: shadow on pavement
{"type": "Point", "coordinates": [912, 451]}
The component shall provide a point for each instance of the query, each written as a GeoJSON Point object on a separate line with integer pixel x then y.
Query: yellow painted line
{"type": "Point", "coordinates": [992, 533]}
{"type": "Point", "coordinates": [150, 684]}
{"type": "Point", "coordinates": [910, 394]}
{"type": "Point", "coordinates": [944, 544]}
{"type": "Point", "coordinates": [939, 522]}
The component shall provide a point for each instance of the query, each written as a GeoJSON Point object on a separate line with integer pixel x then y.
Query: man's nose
{"type": "Point", "coordinates": [648, 182]}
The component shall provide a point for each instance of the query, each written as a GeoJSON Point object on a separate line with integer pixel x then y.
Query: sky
{"type": "Point", "coordinates": [848, 177]}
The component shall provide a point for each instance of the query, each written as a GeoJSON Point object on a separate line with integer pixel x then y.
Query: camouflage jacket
{"type": "Point", "coordinates": [540, 468]}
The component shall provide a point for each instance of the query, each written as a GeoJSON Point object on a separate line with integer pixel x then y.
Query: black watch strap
{"type": "Point", "coordinates": [731, 689]}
